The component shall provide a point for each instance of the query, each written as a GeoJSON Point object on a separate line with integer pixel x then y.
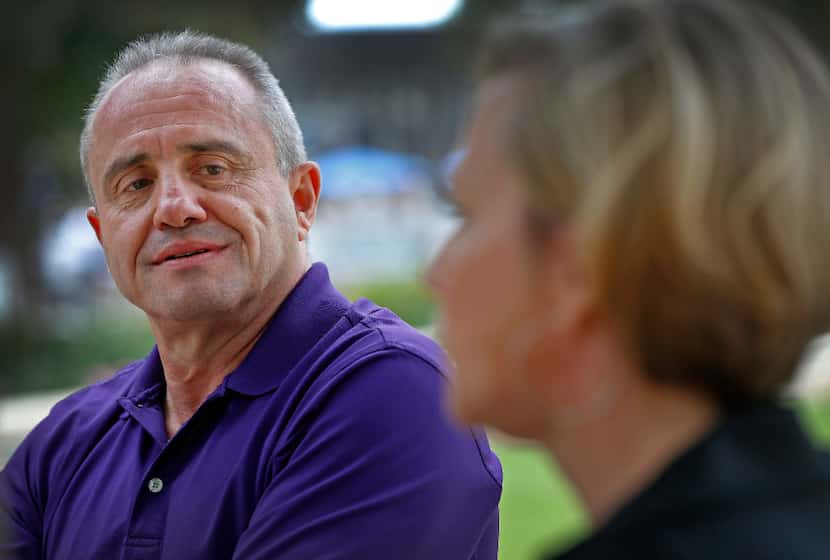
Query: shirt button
{"type": "Point", "coordinates": [155, 485]}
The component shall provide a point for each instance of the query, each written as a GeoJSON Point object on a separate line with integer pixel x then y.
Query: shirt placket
{"type": "Point", "coordinates": [148, 521]}
{"type": "Point", "coordinates": [146, 531]}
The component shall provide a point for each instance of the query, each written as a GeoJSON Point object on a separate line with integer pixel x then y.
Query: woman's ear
{"type": "Point", "coordinates": [565, 323]}
{"type": "Point", "coordinates": [562, 282]}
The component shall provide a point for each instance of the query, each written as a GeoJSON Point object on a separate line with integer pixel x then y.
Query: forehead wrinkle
{"type": "Point", "coordinates": [223, 94]}
{"type": "Point", "coordinates": [193, 117]}
{"type": "Point", "coordinates": [215, 104]}
{"type": "Point", "coordinates": [209, 138]}
{"type": "Point", "coordinates": [211, 145]}
{"type": "Point", "coordinates": [138, 155]}
{"type": "Point", "coordinates": [202, 100]}
{"type": "Point", "coordinates": [168, 81]}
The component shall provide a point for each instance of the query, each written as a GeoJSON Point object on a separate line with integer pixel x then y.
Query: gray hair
{"type": "Point", "coordinates": [186, 47]}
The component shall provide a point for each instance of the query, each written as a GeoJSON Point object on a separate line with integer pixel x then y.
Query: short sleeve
{"type": "Point", "coordinates": [375, 469]}
{"type": "Point", "coordinates": [21, 522]}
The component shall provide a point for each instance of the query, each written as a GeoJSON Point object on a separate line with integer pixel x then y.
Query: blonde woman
{"type": "Point", "coordinates": [644, 255]}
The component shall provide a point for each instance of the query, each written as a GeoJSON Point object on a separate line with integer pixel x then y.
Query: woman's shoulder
{"type": "Point", "coordinates": [756, 486]}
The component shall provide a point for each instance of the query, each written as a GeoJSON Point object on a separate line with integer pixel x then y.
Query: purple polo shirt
{"type": "Point", "coordinates": [328, 442]}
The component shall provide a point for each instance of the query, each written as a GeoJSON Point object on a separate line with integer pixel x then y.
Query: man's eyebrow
{"type": "Point", "coordinates": [123, 163]}
{"type": "Point", "coordinates": [213, 146]}
{"type": "Point", "coordinates": [126, 162]}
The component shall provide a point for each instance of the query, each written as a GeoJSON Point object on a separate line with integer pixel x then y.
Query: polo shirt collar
{"type": "Point", "coordinates": [149, 379]}
{"type": "Point", "coordinates": [309, 311]}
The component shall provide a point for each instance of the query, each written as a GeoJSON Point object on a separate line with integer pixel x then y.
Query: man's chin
{"type": "Point", "coordinates": [194, 306]}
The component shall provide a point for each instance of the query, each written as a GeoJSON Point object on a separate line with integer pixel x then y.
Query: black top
{"type": "Point", "coordinates": [753, 488]}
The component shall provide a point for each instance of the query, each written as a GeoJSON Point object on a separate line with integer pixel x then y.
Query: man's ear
{"type": "Point", "coordinates": [305, 193]}
{"type": "Point", "coordinates": [94, 221]}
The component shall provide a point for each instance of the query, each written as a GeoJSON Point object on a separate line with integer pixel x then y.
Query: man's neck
{"type": "Point", "coordinates": [612, 460]}
{"type": "Point", "coordinates": [196, 360]}
{"type": "Point", "coordinates": [197, 355]}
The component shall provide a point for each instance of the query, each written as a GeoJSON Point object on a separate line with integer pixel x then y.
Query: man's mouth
{"type": "Point", "coordinates": [185, 250]}
{"type": "Point", "coordinates": [185, 255]}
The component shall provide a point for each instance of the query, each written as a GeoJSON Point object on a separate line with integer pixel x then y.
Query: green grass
{"type": "Point", "coordinates": [538, 509]}
{"type": "Point", "coordinates": [411, 301]}
{"type": "Point", "coordinates": [43, 358]}
{"type": "Point", "coordinates": [816, 416]}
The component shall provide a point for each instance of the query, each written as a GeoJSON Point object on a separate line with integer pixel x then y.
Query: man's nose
{"type": "Point", "coordinates": [179, 203]}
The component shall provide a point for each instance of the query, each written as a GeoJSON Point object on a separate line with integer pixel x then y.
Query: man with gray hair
{"type": "Point", "coordinates": [273, 418]}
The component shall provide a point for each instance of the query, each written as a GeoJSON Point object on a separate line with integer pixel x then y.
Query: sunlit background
{"type": "Point", "coordinates": [380, 88]}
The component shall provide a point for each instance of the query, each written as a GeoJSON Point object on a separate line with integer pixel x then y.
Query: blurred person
{"type": "Point", "coordinates": [642, 261]}
{"type": "Point", "coordinates": [274, 418]}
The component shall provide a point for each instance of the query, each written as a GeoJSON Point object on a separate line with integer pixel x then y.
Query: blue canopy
{"type": "Point", "coordinates": [364, 170]}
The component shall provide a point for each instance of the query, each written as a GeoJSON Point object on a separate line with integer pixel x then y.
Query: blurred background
{"type": "Point", "coordinates": [380, 88]}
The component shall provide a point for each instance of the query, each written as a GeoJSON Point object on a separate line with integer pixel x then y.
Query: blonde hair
{"type": "Point", "coordinates": [685, 142]}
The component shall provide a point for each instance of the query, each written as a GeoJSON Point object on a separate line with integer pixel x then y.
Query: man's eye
{"type": "Point", "coordinates": [212, 170]}
{"type": "Point", "coordinates": [138, 184]}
